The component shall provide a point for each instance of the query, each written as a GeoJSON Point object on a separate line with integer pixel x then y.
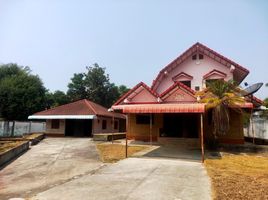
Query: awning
{"type": "Point", "coordinates": [62, 117]}
{"type": "Point", "coordinates": [162, 108]}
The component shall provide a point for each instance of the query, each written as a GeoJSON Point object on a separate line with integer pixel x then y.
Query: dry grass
{"type": "Point", "coordinates": [239, 176]}
{"type": "Point", "coordinates": [115, 152]}
{"type": "Point", "coordinates": [7, 145]}
{"type": "Point", "coordinates": [32, 136]}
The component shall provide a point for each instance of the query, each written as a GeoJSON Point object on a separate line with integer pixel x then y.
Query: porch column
{"type": "Point", "coordinates": [202, 137]}
{"type": "Point", "coordinates": [151, 127]}
{"type": "Point", "coordinates": [126, 133]}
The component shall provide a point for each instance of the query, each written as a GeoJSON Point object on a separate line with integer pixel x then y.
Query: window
{"type": "Point", "coordinates": [197, 88]}
{"type": "Point", "coordinates": [115, 124]}
{"type": "Point", "coordinates": [104, 124]}
{"type": "Point", "coordinates": [55, 124]}
{"type": "Point", "coordinates": [187, 83]}
{"type": "Point", "coordinates": [144, 119]}
{"type": "Point", "coordinates": [197, 57]}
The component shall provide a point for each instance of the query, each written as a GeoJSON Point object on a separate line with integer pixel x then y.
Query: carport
{"type": "Point", "coordinates": [193, 111]}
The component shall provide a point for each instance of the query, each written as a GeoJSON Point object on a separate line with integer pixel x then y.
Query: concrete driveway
{"type": "Point", "coordinates": [137, 178]}
{"type": "Point", "coordinates": [52, 162]}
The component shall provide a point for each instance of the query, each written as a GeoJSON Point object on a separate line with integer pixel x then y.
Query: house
{"type": "Point", "coordinates": [80, 118]}
{"type": "Point", "coordinates": [169, 108]}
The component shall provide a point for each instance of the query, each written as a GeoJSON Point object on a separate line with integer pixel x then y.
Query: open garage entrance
{"type": "Point", "coordinates": [78, 127]}
{"type": "Point", "coordinates": [180, 125]}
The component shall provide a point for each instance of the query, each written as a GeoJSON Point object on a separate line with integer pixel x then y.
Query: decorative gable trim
{"type": "Point", "coordinates": [174, 88]}
{"type": "Point", "coordinates": [214, 72]}
{"type": "Point", "coordinates": [126, 98]}
{"type": "Point", "coordinates": [182, 77]}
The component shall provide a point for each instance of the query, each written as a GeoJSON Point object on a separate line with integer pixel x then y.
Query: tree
{"type": "Point", "coordinates": [122, 89]}
{"type": "Point", "coordinates": [77, 89]}
{"type": "Point", "coordinates": [56, 99]}
{"type": "Point", "coordinates": [21, 93]}
{"type": "Point", "coordinates": [94, 85]}
{"type": "Point", "coordinates": [220, 96]}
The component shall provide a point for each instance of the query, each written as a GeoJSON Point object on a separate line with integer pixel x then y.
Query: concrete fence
{"type": "Point", "coordinates": [20, 128]}
{"type": "Point", "coordinates": [257, 128]}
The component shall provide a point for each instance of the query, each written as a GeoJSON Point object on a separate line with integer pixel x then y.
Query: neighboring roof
{"type": "Point", "coordinates": [239, 73]}
{"type": "Point", "coordinates": [162, 108]}
{"type": "Point", "coordinates": [141, 84]}
{"type": "Point", "coordinates": [82, 108]}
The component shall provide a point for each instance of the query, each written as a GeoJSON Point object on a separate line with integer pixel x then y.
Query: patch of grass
{"type": "Point", "coordinates": [7, 145]}
{"type": "Point", "coordinates": [239, 176]}
{"type": "Point", "coordinates": [114, 152]}
{"type": "Point", "coordinates": [32, 136]}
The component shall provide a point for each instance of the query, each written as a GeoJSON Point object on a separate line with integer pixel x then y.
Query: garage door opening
{"type": "Point", "coordinates": [183, 125]}
{"type": "Point", "coordinates": [78, 127]}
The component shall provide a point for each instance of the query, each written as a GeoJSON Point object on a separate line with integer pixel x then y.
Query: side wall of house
{"type": "Point", "coordinates": [55, 132]}
{"type": "Point", "coordinates": [235, 134]}
{"type": "Point", "coordinates": [98, 125]}
{"type": "Point", "coordinates": [142, 131]}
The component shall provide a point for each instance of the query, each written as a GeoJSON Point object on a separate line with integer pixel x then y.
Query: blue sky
{"type": "Point", "coordinates": [134, 40]}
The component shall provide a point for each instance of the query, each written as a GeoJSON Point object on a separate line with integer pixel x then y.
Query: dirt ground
{"type": "Point", "coordinates": [239, 176]}
{"type": "Point", "coordinates": [114, 152]}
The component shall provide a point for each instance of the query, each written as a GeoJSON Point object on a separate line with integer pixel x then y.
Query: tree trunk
{"type": "Point", "coordinates": [6, 128]}
{"type": "Point", "coordinates": [12, 130]}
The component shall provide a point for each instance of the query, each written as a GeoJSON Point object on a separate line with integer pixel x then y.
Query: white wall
{"type": "Point", "coordinates": [260, 128]}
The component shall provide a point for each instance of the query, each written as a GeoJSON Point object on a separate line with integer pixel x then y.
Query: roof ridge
{"type": "Point", "coordinates": [59, 106]}
{"type": "Point", "coordinates": [181, 85]}
{"type": "Point", "coordinates": [90, 106]}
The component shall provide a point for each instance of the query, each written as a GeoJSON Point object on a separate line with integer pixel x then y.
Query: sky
{"type": "Point", "coordinates": [132, 39]}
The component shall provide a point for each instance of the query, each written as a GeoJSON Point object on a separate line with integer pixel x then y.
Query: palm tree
{"type": "Point", "coordinates": [220, 96]}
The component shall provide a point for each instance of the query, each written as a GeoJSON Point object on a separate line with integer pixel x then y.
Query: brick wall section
{"type": "Point", "coordinates": [142, 131]}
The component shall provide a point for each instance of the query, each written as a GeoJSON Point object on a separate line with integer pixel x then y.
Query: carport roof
{"type": "Point", "coordinates": [75, 109]}
{"type": "Point", "coordinates": [162, 108]}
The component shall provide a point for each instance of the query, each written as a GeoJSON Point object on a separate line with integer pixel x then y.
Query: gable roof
{"type": "Point", "coordinates": [239, 72]}
{"type": "Point", "coordinates": [81, 107]}
{"type": "Point", "coordinates": [141, 84]}
{"type": "Point", "coordinates": [182, 75]}
{"type": "Point", "coordinates": [214, 71]}
{"type": "Point", "coordinates": [180, 85]}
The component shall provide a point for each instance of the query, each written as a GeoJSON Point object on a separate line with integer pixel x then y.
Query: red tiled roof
{"type": "Point", "coordinates": [81, 107]}
{"type": "Point", "coordinates": [133, 89]}
{"type": "Point", "coordinates": [243, 72]}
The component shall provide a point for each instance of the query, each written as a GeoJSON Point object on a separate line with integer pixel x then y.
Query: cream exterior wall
{"type": "Point", "coordinates": [97, 125]}
{"type": "Point", "coordinates": [60, 130]}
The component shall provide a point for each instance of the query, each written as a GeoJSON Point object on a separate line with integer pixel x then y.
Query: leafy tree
{"type": "Point", "coordinates": [220, 96]}
{"type": "Point", "coordinates": [122, 89]}
{"type": "Point", "coordinates": [94, 85]}
{"type": "Point", "coordinates": [56, 99]}
{"type": "Point", "coordinates": [265, 103]}
{"type": "Point", "coordinates": [77, 88]}
{"type": "Point", "coordinates": [21, 93]}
